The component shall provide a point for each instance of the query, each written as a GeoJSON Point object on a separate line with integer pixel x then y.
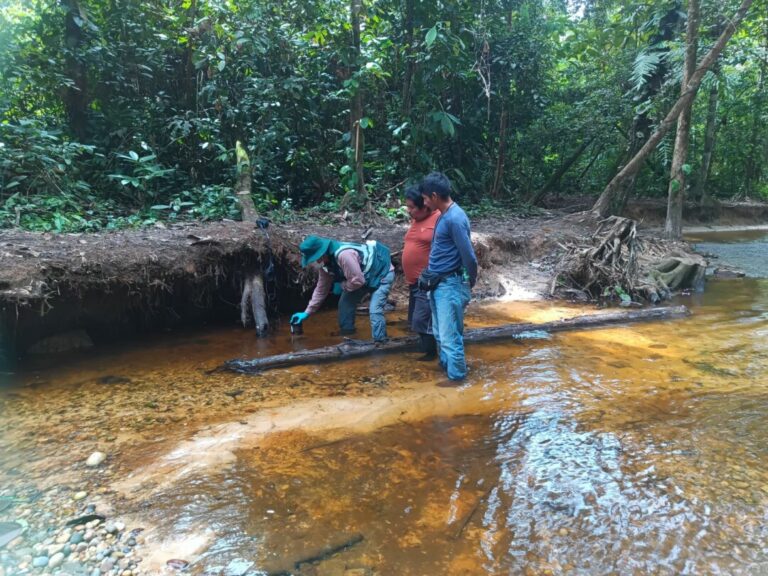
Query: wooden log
{"type": "Point", "coordinates": [311, 554]}
{"type": "Point", "coordinates": [356, 348]}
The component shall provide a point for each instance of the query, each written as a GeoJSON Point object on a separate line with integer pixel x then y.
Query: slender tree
{"type": "Point", "coordinates": [357, 138]}
{"type": "Point", "coordinates": [673, 227]}
{"type": "Point", "coordinates": [76, 98]}
{"type": "Point", "coordinates": [699, 191]}
{"type": "Point", "coordinates": [756, 145]}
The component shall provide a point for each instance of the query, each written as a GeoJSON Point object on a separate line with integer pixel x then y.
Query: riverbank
{"type": "Point", "coordinates": [67, 291]}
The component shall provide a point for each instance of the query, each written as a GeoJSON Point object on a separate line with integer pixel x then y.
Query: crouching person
{"type": "Point", "coordinates": [351, 271]}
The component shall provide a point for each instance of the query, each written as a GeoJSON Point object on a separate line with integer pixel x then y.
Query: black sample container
{"type": "Point", "coordinates": [297, 329]}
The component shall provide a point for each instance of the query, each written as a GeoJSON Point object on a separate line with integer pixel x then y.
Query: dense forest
{"type": "Point", "coordinates": [122, 113]}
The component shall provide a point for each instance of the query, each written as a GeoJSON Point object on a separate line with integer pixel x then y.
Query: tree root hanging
{"type": "Point", "coordinates": [253, 300]}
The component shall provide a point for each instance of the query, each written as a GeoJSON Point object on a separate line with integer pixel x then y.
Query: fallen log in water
{"type": "Point", "coordinates": [356, 348]}
{"type": "Point", "coordinates": [310, 555]}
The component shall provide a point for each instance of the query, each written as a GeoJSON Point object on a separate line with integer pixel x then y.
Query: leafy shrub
{"type": "Point", "coordinates": [37, 160]}
{"type": "Point", "coordinates": [212, 202]}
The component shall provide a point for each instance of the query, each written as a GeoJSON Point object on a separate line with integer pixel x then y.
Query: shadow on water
{"type": "Point", "coordinates": [628, 450]}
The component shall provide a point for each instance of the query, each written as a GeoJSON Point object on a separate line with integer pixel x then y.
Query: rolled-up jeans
{"type": "Point", "coordinates": [349, 301]}
{"type": "Point", "coordinates": [448, 302]}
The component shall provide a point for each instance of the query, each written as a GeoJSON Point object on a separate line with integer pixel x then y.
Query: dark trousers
{"type": "Point", "coordinates": [420, 318]}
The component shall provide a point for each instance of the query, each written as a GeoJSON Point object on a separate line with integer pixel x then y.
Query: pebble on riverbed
{"type": "Point", "coordinates": [83, 546]}
{"type": "Point", "coordinates": [95, 459]}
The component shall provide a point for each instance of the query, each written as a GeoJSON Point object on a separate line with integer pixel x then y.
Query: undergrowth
{"type": "Point", "coordinates": [86, 213]}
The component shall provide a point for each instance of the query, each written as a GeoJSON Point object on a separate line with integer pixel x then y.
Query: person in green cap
{"type": "Point", "coordinates": [351, 271]}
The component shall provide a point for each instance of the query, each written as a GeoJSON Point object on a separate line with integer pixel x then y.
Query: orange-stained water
{"type": "Point", "coordinates": [633, 450]}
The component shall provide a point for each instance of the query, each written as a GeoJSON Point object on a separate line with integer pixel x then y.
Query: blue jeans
{"type": "Point", "coordinates": [349, 301]}
{"type": "Point", "coordinates": [448, 301]}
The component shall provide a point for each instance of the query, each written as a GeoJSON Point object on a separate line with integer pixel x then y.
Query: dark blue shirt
{"type": "Point", "coordinates": [452, 246]}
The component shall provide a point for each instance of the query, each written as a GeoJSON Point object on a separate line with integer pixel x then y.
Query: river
{"type": "Point", "coordinates": [630, 450]}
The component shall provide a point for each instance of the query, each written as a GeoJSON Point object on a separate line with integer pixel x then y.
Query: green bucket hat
{"type": "Point", "coordinates": [313, 249]}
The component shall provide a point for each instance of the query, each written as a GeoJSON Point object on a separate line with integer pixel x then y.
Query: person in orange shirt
{"type": "Point", "coordinates": [417, 243]}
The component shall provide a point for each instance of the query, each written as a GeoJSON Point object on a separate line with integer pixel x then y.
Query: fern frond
{"type": "Point", "coordinates": [664, 151]}
{"type": "Point", "coordinates": [645, 64]}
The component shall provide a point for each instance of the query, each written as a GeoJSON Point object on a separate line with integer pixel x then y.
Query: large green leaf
{"type": "Point", "coordinates": [429, 39]}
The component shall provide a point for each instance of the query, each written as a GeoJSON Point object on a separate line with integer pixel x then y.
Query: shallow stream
{"type": "Point", "coordinates": [631, 450]}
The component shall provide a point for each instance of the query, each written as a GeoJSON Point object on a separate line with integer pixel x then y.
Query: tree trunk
{"type": "Point", "coordinates": [673, 228]}
{"type": "Point", "coordinates": [601, 207]}
{"type": "Point", "coordinates": [754, 164]}
{"type": "Point", "coordinates": [498, 178]}
{"type": "Point", "coordinates": [76, 96]}
{"type": "Point", "coordinates": [595, 155]}
{"type": "Point", "coordinates": [253, 298]}
{"type": "Point", "coordinates": [187, 89]}
{"type": "Point", "coordinates": [710, 135]}
{"type": "Point", "coordinates": [357, 138]}
{"type": "Point", "coordinates": [243, 186]}
{"type": "Point", "coordinates": [410, 65]}
{"type": "Point", "coordinates": [557, 176]}
{"type": "Point", "coordinates": [357, 348]}
{"type": "Point", "coordinates": [642, 123]}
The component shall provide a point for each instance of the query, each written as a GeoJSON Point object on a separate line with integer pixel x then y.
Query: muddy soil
{"type": "Point", "coordinates": [109, 286]}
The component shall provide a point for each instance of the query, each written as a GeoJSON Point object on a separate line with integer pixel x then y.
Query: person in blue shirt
{"type": "Point", "coordinates": [453, 259]}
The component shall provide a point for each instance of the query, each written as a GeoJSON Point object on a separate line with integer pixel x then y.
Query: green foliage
{"type": "Point", "coordinates": [205, 203]}
{"type": "Point", "coordinates": [123, 114]}
{"type": "Point", "coordinates": [35, 160]}
{"type": "Point", "coordinates": [394, 210]}
{"type": "Point", "coordinates": [618, 293]}
{"type": "Point", "coordinates": [144, 173]}
{"type": "Point", "coordinates": [646, 63]}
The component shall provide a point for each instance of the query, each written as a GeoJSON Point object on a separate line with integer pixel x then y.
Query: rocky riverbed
{"type": "Point", "coordinates": [65, 531]}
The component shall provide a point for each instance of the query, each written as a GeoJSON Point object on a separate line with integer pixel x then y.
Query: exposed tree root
{"type": "Point", "coordinates": [680, 271]}
{"type": "Point", "coordinates": [253, 300]}
{"type": "Point", "coordinates": [615, 264]}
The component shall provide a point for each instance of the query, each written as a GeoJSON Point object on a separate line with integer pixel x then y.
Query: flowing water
{"type": "Point", "coordinates": [744, 249]}
{"type": "Point", "coordinates": [631, 450]}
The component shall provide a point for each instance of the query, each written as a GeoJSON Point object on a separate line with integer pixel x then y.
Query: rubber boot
{"type": "Point", "coordinates": [428, 345]}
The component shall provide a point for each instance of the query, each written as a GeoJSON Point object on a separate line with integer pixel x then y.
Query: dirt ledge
{"type": "Point", "coordinates": [124, 283]}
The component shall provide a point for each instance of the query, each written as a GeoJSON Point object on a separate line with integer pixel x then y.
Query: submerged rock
{"type": "Point", "coordinates": [112, 379]}
{"type": "Point", "coordinates": [238, 567]}
{"type": "Point", "coordinates": [9, 531]}
{"type": "Point", "coordinates": [56, 560]}
{"type": "Point", "coordinates": [177, 564]}
{"type": "Point", "coordinates": [5, 503]}
{"type": "Point", "coordinates": [95, 459]}
{"type": "Point", "coordinates": [728, 272]}
{"type": "Point", "coordinates": [85, 519]}
{"type": "Point", "coordinates": [64, 342]}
